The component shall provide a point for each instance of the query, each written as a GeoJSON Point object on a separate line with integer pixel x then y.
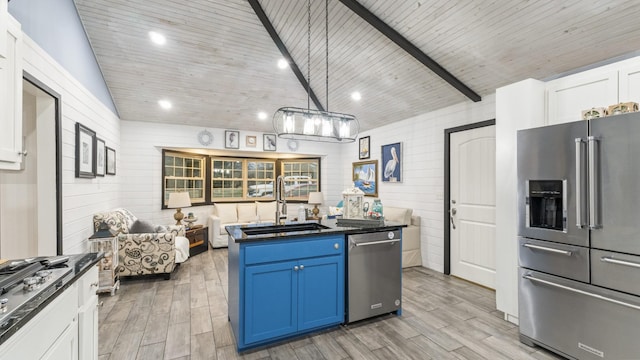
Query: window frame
{"type": "Point", "coordinates": [174, 153]}
{"type": "Point", "coordinates": [208, 179]}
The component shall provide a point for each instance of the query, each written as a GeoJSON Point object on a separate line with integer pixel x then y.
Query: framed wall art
{"type": "Point", "coordinates": [100, 157]}
{"type": "Point", "coordinates": [85, 152]}
{"type": "Point", "coordinates": [269, 142]}
{"type": "Point", "coordinates": [111, 160]}
{"type": "Point", "coordinates": [365, 176]}
{"type": "Point", "coordinates": [251, 141]}
{"type": "Point", "coordinates": [363, 148]}
{"type": "Point", "coordinates": [232, 139]}
{"type": "Point", "coordinates": [391, 162]}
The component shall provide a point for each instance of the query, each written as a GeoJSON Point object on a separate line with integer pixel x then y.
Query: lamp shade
{"type": "Point", "coordinates": [178, 200]}
{"type": "Point", "coordinates": [315, 198]}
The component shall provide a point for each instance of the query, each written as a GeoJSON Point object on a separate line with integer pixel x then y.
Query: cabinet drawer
{"type": "Point", "coordinates": [616, 271]}
{"type": "Point", "coordinates": [88, 285]}
{"type": "Point", "coordinates": [560, 259]}
{"type": "Point", "coordinates": [294, 249]}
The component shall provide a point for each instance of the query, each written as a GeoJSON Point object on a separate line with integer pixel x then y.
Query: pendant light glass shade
{"type": "Point", "coordinates": [315, 125]}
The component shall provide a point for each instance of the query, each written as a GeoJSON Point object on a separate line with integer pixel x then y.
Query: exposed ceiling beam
{"type": "Point", "coordinates": [285, 53]}
{"type": "Point", "coordinates": [407, 46]}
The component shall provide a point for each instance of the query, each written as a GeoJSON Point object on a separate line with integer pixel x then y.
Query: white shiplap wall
{"type": "Point", "coordinates": [422, 187]}
{"type": "Point", "coordinates": [141, 165]}
{"type": "Point", "coordinates": [81, 198]}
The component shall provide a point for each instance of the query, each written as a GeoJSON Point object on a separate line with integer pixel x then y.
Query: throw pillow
{"type": "Point", "coordinates": [266, 211]}
{"type": "Point", "coordinates": [142, 227]}
{"type": "Point", "coordinates": [246, 213]}
{"type": "Point", "coordinates": [161, 229]}
{"type": "Point", "coordinates": [227, 213]}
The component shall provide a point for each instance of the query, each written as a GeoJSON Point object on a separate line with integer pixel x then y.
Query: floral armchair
{"type": "Point", "coordinates": [154, 251]}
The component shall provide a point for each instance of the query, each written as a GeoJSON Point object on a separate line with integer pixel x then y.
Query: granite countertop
{"type": "Point", "coordinates": [79, 264]}
{"type": "Point", "coordinates": [237, 234]}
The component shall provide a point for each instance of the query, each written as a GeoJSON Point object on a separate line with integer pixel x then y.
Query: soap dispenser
{"type": "Point", "coordinates": [302, 214]}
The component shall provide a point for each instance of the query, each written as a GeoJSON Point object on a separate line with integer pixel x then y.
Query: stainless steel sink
{"type": "Point", "coordinates": [277, 229]}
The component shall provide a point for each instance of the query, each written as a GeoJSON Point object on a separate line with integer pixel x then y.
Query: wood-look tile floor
{"type": "Point", "coordinates": [186, 318]}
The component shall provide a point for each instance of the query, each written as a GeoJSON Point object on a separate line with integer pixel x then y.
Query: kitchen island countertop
{"type": "Point", "coordinates": [237, 234]}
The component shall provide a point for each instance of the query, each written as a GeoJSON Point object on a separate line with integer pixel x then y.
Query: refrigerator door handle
{"type": "Point", "coordinates": [568, 288]}
{"type": "Point", "coordinates": [611, 260]}
{"type": "Point", "coordinates": [594, 219]}
{"type": "Point", "coordinates": [544, 248]}
{"type": "Point", "coordinates": [580, 176]}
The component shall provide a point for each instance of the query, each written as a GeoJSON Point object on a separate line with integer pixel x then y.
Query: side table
{"type": "Point", "coordinates": [198, 240]}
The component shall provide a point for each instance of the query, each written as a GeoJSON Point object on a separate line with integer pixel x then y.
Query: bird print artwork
{"type": "Point", "coordinates": [391, 161]}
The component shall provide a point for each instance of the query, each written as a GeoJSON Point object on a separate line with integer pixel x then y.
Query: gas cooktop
{"type": "Point", "coordinates": [26, 280]}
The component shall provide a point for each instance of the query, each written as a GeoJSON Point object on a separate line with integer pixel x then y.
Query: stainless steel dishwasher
{"type": "Point", "coordinates": [374, 270]}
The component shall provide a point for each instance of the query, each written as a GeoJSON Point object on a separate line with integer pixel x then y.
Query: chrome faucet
{"type": "Point", "coordinates": [281, 202]}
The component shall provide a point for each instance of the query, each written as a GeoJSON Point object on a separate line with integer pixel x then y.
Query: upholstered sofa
{"type": "Point", "coordinates": [410, 235]}
{"type": "Point", "coordinates": [144, 248]}
{"type": "Point", "coordinates": [225, 214]}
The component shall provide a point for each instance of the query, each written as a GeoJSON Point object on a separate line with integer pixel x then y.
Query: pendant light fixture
{"type": "Point", "coordinates": [311, 124]}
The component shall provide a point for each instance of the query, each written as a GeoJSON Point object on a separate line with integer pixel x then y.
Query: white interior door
{"type": "Point", "coordinates": [473, 203]}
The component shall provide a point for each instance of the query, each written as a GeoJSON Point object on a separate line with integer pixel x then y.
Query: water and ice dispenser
{"type": "Point", "coordinates": [546, 204]}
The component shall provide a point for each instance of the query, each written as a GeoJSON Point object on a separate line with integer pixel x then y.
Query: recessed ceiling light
{"type": "Point", "coordinates": [356, 96]}
{"type": "Point", "coordinates": [283, 64]}
{"type": "Point", "coordinates": [157, 38]}
{"type": "Point", "coordinates": [262, 115]}
{"type": "Point", "coordinates": [165, 104]}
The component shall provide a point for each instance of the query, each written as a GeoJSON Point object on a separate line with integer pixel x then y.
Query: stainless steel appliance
{"type": "Point", "coordinates": [579, 237]}
{"type": "Point", "coordinates": [374, 271]}
{"type": "Point", "coordinates": [25, 280]}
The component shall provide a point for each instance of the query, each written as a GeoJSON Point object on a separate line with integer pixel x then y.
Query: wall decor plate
{"type": "Point", "coordinates": [205, 138]}
{"type": "Point", "coordinates": [292, 145]}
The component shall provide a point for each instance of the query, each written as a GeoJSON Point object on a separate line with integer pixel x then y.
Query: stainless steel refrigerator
{"type": "Point", "coordinates": [579, 237]}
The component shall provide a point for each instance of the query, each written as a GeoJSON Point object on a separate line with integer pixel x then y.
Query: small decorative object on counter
{"type": "Point", "coordinates": [622, 108]}
{"type": "Point", "coordinates": [302, 214]}
{"type": "Point", "coordinates": [376, 209]}
{"type": "Point", "coordinates": [353, 199]}
{"type": "Point", "coordinates": [594, 113]}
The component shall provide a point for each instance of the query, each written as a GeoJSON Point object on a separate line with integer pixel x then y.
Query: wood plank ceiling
{"type": "Point", "coordinates": [219, 66]}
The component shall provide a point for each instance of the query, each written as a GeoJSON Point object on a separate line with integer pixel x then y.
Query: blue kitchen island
{"type": "Point", "coordinates": [287, 280]}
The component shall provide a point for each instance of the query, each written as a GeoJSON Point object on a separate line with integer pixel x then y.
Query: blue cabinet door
{"type": "Point", "coordinates": [320, 292]}
{"type": "Point", "coordinates": [271, 301]}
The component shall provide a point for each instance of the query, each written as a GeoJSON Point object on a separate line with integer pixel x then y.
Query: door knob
{"type": "Point", "coordinates": [301, 267]}
{"type": "Point", "coordinates": [295, 268]}
{"type": "Point", "coordinates": [453, 211]}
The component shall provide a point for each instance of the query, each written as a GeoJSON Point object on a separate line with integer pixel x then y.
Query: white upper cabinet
{"type": "Point", "coordinates": [10, 93]}
{"type": "Point", "coordinates": [608, 85]}
{"type": "Point", "coordinates": [629, 78]}
{"type": "Point", "coordinates": [4, 18]}
{"type": "Point", "coordinates": [567, 97]}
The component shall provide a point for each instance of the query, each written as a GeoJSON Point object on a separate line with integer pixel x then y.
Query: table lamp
{"type": "Point", "coordinates": [178, 200]}
{"type": "Point", "coordinates": [315, 198]}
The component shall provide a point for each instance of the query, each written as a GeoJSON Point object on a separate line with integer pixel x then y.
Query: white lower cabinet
{"type": "Point", "coordinates": [66, 345]}
{"type": "Point", "coordinates": [66, 329]}
{"type": "Point", "coordinates": [88, 315]}
{"type": "Point", "coordinates": [45, 332]}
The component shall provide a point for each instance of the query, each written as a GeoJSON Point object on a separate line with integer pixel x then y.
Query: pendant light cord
{"type": "Point", "coordinates": [326, 35]}
{"type": "Point", "coordinates": [308, 54]}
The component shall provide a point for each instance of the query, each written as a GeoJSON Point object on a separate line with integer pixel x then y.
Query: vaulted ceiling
{"type": "Point", "coordinates": [219, 65]}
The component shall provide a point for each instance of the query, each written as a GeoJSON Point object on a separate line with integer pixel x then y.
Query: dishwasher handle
{"type": "Point", "coordinates": [368, 243]}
